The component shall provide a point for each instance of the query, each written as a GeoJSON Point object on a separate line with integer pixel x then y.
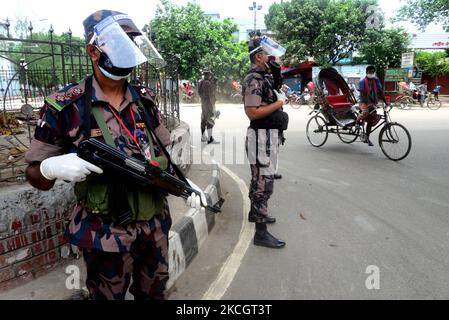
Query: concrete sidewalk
{"type": "Point", "coordinates": [189, 230]}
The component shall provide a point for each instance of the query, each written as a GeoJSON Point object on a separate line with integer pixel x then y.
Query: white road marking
{"type": "Point", "coordinates": [229, 269]}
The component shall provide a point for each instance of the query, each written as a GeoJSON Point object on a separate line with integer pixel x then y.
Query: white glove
{"type": "Point", "coordinates": [68, 167]}
{"type": "Point", "coordinates": [195, 201]}
{"type": "Point", "coordinates": [281, 96]}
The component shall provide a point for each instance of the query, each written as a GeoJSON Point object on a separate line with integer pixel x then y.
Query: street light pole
{"type": "Point", "coordinates": [255, 8]}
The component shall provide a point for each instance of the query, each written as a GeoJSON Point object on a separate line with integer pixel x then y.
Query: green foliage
{"type": "Point", "coordinates": [384, 48]}
{"type": "Point", "coordinates": [327, 30]}
{"type": "Point", "coordinates": [331, 30]}
{"type": "Point", "coordinates": [229, 63]}
{"type": "Point", "coordinates": [424, 12]}
{"type": "Point", "coordinates": [433, 63]}
{"type": "Point", "coordinates": [198, 41]}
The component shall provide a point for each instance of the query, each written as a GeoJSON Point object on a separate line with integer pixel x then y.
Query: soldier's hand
{"type": "Point", "coordinates": [196, 201]}
{"type": "Point", "coordinates": [68, 167]}
{"type": "Point", "coordinates": [281, 96]}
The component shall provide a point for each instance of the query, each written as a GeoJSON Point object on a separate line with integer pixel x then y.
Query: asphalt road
{"type": "Point", "coordinates": [357, 225]}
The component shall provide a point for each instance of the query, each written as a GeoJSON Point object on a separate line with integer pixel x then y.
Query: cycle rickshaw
{"type": "Point", "coordinates": [336, 111]}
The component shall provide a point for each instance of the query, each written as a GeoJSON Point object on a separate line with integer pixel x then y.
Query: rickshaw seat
{"type": "Point", "coordinates": [338, 102]}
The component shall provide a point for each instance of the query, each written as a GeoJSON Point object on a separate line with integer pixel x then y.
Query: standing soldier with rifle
{"type": "Point", "coordinates": [263, 101]}
{"type": "Point", "coordinates": [206, 90]}
{"type": "Point", "coordinates": [121, 227]}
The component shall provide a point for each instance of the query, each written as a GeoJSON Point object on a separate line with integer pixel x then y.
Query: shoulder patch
{"type": "Point", "coordinates": [252, 76]}
{"type": "Point", "coordinates": [145, 92]}
{"type": "Point", "coordinates": [66, 96]}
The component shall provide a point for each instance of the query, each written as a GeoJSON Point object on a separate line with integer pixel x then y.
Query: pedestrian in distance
{"type": "Point", "coordinates": [207, 91]}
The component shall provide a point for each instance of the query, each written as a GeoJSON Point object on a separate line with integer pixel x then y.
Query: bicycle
{"type": "Point", "coordinates": [407, 101]}
{"type": "Point", "coordinates": [433, 102]}
{"type": "Point", "coordinates": [294, 100]}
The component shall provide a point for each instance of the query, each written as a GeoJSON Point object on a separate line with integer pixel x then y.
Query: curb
{"type": "Point", "coordinates": [189, 233]}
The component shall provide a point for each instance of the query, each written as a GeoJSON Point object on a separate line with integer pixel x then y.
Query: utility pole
{"type": "Point", "coordinates": [255, 8]}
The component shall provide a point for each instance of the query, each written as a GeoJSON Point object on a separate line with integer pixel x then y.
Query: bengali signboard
{"type": "Point", "coordinates": [429, 40]}
{"type": "Point", "coordinates": [394, 75]}
{"type": "Point", "coordinates": [408, 60]}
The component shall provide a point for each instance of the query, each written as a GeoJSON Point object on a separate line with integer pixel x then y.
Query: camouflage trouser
{"type": "Point", "coordinates": [207, 113]}
{"type": "Point", "coordinates": [260, 191]}
{"type": "Point", "coordinates": [109, 273]}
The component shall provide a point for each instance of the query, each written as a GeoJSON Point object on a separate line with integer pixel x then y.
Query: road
{"type": "Point", "coordinates": [357, 225]}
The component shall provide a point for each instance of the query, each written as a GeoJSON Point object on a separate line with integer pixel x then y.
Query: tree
{"type": "Point", "coordinates": [326, 30]}
{"type": "Point", "coordinates": [433, 63]}
{"type": "Point", "coordinates": [424, 12]}
{"type": "Point", "coordinates": [230, 62]}
{"type": "Point", "coordinates": [198, 40]}
{"type": "Point", "coordinates": [384, 48]}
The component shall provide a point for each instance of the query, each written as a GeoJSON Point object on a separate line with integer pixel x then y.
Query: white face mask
{"type": "Point", "coordinates": [371, 75]}
{"type": "Point", "coordinates": [111, 76]}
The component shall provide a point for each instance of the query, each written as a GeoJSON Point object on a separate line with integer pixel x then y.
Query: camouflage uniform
{"type": "Point", "coordinates": [262, 145]}
{"type": "Point", "coordinates": [112, 253]}
{"type": "Point", "coordinates": [206, 88]}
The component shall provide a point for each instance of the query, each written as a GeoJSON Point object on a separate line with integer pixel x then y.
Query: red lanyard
{"type": "Point", "coordinates": [133, 136]}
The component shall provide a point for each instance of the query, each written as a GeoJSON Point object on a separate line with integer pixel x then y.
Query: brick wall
{"type": "Point", "coordinates": [32, 225]}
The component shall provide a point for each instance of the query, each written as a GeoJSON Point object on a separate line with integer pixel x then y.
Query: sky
{"type": "Point", "coordinates": [70, 14]}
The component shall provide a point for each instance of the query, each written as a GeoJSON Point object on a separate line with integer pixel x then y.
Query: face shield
{"type": "Point", "coordinates": [271, 47]}
{"type": "Point", "coordinates": [149, 51]}
{"type": "Point", "coordinates": [124, 49]}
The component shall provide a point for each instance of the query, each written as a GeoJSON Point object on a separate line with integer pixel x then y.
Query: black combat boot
{"type": "Point", "coordinates": [212, 141]}
{"type": "Point", "coordinates": [252, 218]}
{"type": "Point", "coordinates": [264, 239]}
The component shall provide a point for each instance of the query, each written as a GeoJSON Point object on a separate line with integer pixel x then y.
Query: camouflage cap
{"type": "Point", "coordinates": [206, 70]}
{"type": "Point", "coordinates": [91, 21]}
{"type": "Point", "coordinates": [253, 44]}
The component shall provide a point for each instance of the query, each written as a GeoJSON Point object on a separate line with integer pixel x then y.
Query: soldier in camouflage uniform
{"type": "Point", "coordinates": [115, 252]}
{"type": "Point", "coordinates": [262, 145]}
{"type": "Point", "coordinates": [206, 90]}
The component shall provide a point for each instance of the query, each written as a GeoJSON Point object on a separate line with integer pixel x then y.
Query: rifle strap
{"type": "Point", "coordinates": [88, 102]}
{"type": "Point", "coordinates": [147, 121]}
{"type": "Point", "coordinates": [103, 127]}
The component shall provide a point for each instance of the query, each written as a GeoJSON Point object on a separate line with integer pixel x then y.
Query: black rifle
{"type": "Point", "coordinates": [113, 161]}
{"type": "Point", "coordinates": [277, 74]}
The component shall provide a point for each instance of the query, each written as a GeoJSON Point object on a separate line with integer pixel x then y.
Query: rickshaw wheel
{"type": "Point", "coordinates": [402, 102]}
{"type": "Point", "coordinates": [433, 104]}
{"type": "Point", "coordinates": [395, 141]}
{"type": "Point", "coordinates": [295, 104]}
{"type": "Point", "coordinates": [317, 131]}
{"type": "Point", "coordinates": [348, 136]}
{"type": "Point", "coordinates": [310, 103]}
